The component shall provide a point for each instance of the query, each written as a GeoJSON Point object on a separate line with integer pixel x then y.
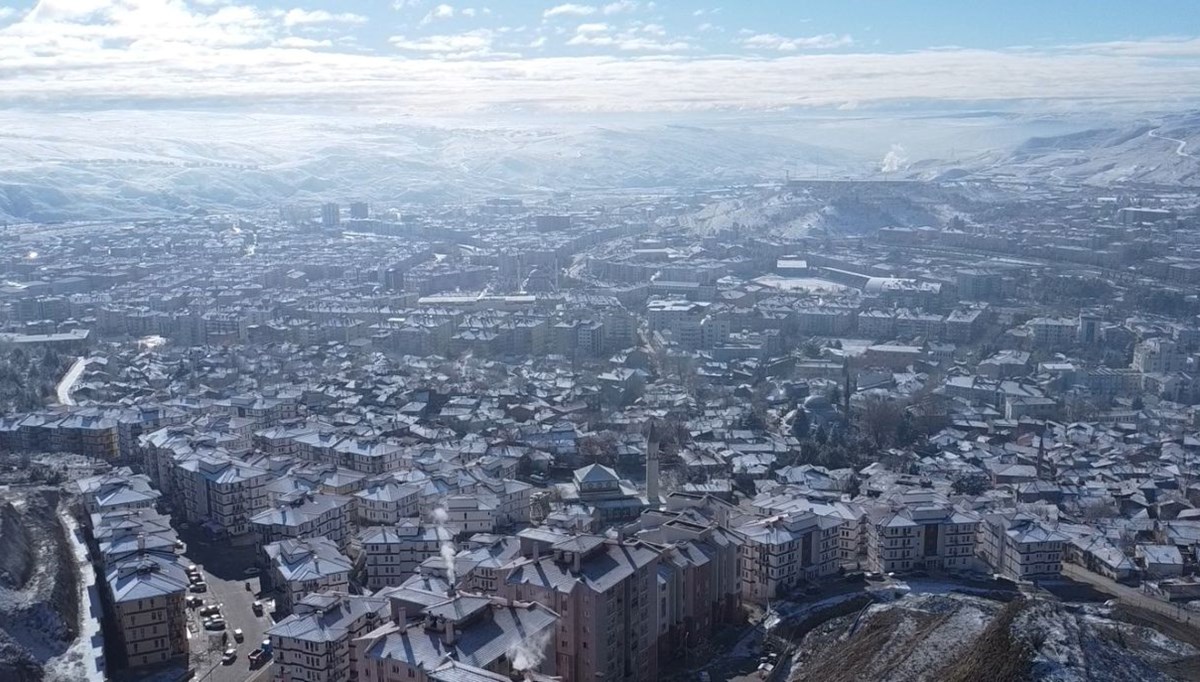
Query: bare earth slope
{"type": "Point", "coordinates": [957, 638]}
{"type": "Point", "coordinates": [39, 597]}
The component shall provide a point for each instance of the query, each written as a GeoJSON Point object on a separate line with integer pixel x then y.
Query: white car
{"type": "Point", "coordinates": [238, 635]}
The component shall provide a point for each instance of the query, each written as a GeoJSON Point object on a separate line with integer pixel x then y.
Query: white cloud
{"type": "Point", "coordinates": [302, 43]}
{"type": "Point", "coordinates": [771, 41]}
{"type": "Point", "coordinates": [438, 13]}
{"type": "Point", "coordinates": [468, 12]}
{"type": "Point", "coordinates": [119, 53]}
{"type": "Point", "coordinates": [6, 12]}
{"type": "Point", "coordinates": [299, 17]}
{"type": "Point", "coordinates": [619, 7]}
{"type": "Point", "coordinates": [471, 44]}
{"type": "Point", "coordinates": [569, 10]}
{"type": "Point", "coordinates": [1156, 47]}
{"type": "Point", "coordinates": [538, 42]}
{"type": "Point", "coordinates": [628, 40]}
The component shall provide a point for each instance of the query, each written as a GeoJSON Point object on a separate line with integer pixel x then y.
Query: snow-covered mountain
{"type": "Point", "coordinates": [78, 167]}
{"type": "Point", "coordinates": [1163, 151]}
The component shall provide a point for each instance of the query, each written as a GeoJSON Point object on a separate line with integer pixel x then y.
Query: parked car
{"type": "Point", "coordinates": [199, 587]}
{"type": "Point", "coordinates": [258, 657]}
{"type": "Point", "coordinates": [210, 610]}
{"type": "Point", "coordinates": [238, 635]}
{"type": "Point", "coordinates": [258, 608]}
{"type": "Point", "coordinates": [216, 624]}
{"type": "Point", "coordinates": [194, 601]}
{"type": "Point", "coordinates": [229, 657]}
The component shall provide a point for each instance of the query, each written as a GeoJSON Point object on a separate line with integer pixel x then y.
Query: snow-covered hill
{"type": "Point", "coordinates": [1163, 151]}
{"type": "Point", "coordinates": [76, 166]}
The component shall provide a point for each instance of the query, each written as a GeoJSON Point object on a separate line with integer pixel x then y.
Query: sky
{"type": "Point", "coordinates": [430, 58]}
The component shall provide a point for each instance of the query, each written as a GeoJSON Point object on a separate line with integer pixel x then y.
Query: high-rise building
{"type": "Point", "coordinates": [331, 215]}
{"type": "Point", "coordinates": [360, 210]}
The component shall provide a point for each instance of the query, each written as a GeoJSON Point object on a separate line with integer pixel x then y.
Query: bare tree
{"type": "Point", "coordinates": [880, 420]}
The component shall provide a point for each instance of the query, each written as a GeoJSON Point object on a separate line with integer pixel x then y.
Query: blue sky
{"type": "Point", "coordinates": [427, 57]}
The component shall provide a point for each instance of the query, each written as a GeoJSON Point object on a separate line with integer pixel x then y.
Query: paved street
{"type": "Point", "coordinates": [223, 569]}
{"type": "Point", "coordinates": [1129, 595]}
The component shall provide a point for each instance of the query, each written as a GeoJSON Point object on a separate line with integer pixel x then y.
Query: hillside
{"type": "Point", "coordinates": [139, 163]}
{"type": "Point", "coordinates": [39, 595]}
{"type": "Point", "coordinates": [1160, 152]}
{"type": "Point", "coordinates": [956, 638]}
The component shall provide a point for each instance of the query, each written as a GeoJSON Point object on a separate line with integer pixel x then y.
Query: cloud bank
{"type": "Point", "coordinates": [123, 53]}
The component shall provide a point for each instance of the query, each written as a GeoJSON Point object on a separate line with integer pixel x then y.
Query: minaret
{"type": "Point", "coordinates": [652, 468]}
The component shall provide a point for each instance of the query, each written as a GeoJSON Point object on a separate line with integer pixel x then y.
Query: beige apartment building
{"type": "Point", "coordinates": [1020, 547]}
{"type": "Point", "coordinates": [318, 642]}
{"type": "Point", "coordinates": [384, 504]}
{"type": "Point", "coordinates": [920, 531]}
{"type": "Point", "coordinates": [606, 594]}
{"type": "Point", "coordinates": [297, 568]}
{"type": "Point", "coordinates": [304, 514]}
{"type": "Point", "coordinates": [781, 552]}
{"type": "Point", "coordinates": [146, 594]}
{"type": "Point", "coordinates": [221, 494]}
{"type": "Point", "coordinates": [393, 553]}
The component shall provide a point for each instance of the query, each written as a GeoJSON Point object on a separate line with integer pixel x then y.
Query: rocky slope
{"type": "Point", "coordinates": [957, 638]}
{"type": "Point", "coordinates": [39, 596]}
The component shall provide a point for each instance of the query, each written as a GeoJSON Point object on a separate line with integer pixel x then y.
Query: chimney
{"type": "Point", "coordinates": [448, 632]}
{"type": "Point", "coordinates": [141, 542]}
{"type": "Point", "coordinates": [575, 561]}
{"type": "Point", "coordinates": [652, 468]}
{"type": "Point", "coordinates": [399, 615]}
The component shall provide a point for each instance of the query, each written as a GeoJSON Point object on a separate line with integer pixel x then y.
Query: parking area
{"type": "Point", "coordinates": [224, 571]}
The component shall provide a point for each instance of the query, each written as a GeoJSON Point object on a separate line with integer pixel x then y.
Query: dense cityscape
{"type": "Point", "coordinates": [599, 341]}
{"type": "Point", "coordinates": [587, 439]}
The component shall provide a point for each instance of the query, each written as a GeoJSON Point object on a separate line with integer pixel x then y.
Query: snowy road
{"type": "Point", "coordinates": [1179, 151]}
{"type": "Point", "coordinates": [1128, 595]}
{"type": "Point", "coordinates": [67, 384]}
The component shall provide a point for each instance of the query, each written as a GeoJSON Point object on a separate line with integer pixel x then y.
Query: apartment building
{"type": "Point", "coordinates": [116, 491]}
{"type": "Point", "coordinates": [605, 591]}
{"type": "Point", "coordinates": [789, 499]}
{"type": "Point", "coordinates": [384, 504]}
{"type": "Point", "coordinates": [472, 513]}
{"type": "Point", "coordinates": [145, 594]}
{"type": "Point", "coordinates": [304, 514]}
{"type": "Point", "coordinates": [221, 494]}
{"type": "Point", "coordinates": [319, 641]}
{"type": "Point", "coordinates": [1020, 547]}
{"type": "Point", "coordinates": [598, 489]}
{"type": "Point", "coordinates": [464, 637]}
{"type": "Point", "coordinates": [296, 568]}
{"type": "Point", "coordinates": [920, 530]}
{"type": "Point", "coordinates": [1159, 356]}
{"type": "Point", "coordinates": [699, 584]}
{"type": "Point", "coordinates": [780, 552]}
{"type": "Point", "coordinates": [393, 553]}
{"type": "Point", "coordinates": [368, 456]}
{"type": "Point", "coordinates": [513, 499]}
{"type": "Point", "coordinates": [1053, 332]}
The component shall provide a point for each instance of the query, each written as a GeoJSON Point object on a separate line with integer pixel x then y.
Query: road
{"type": "Point", "coordinates": [1129, 595]}
{"type": "Point", "coordinates": [67, 384]}
{"type": "Point", "coordinates": [1178, 150]}
{"type": "Point", "coordinates": [228, 589]}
